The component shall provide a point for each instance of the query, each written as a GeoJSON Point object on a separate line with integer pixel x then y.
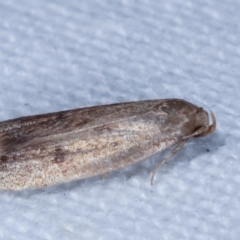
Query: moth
{"type": "Point", "coordinates": [52, 148]}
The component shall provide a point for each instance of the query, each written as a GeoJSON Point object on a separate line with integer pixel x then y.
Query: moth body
{"type": "Point", "coordinates": [48, 149]}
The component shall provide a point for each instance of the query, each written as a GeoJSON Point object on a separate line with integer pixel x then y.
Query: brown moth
{"type": "Point", "coordinates": [48, 149]}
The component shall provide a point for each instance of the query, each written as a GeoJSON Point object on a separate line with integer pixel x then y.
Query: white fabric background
{"type": "Point", "coordinates": [58, 55]}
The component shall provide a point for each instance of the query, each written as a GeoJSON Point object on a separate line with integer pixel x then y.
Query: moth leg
{"type": "Point", "coordinates": [177, 148]}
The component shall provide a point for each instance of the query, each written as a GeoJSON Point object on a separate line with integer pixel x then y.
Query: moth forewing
{"type": "Point", "coordinates": [52, 148]}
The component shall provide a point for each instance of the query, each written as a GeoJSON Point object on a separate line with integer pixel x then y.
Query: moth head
{"type": "Point", "coordinates": [193, 120]}
{"type": "Point", "coordinates": [204, 128]}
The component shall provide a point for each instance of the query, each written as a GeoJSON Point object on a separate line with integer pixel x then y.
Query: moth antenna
{"type": "Point", "coordinates": [174, 151]}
